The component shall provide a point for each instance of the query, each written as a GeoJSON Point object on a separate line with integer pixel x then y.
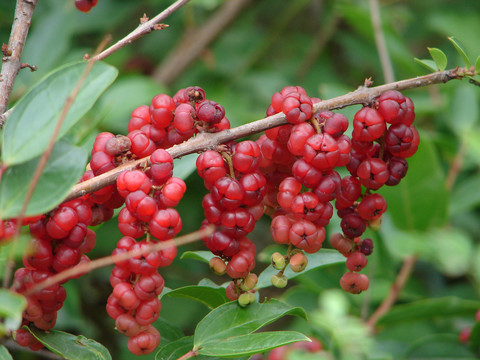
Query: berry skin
{"type": "Point", "coordinates": [245, 159]}
{"type": "Point", "coordinates": [321, 150]}
{"type": "Point", "coordinates": [298, 262]}
{"type": "Point", "coordinates": [228, 192]}
{"type": "Point", "coordinates": [171, 193]}
{"type": "Point", "coordinates": [413, 148]}
{"type": "Point", "coordinates": [232, 292]}
{"type": "Point", "coordinates": [142, 145]}
{"type": "Point", "coordinates": [297, 107]}
{"type": "Point", "coordinates": [367, 246]}
{"type": "Point", "coordinates": [144, 342]}
{"type": "Point", "coordinates": [62, 222]}
{"type": "Point", "coordinates": [211, 166]}
{"type": "Point", "coordinates": [141, 206]}
{"type": "Point", "coordinates": [354, 283]}
{"type": "Point", "coordinates": [278, 261]}
{"type": "Point", "coordinates": [183, 120]}
{"type": "Point", "coordinates": [240, 264]}
{"type": "Point", "coordinates": [210, 112]}
{"type": "Point", "coordinates": [128, 224]}
{"type": "Point", "coordinates": [280, 229]}
{"type": "Point", "coordinates": [307, 236]}
{"type": "Point", "coordinates": [127, 325]}
{"type": "Point", "coordinates": [218, 266]}
{"type": "Point", "coordinates": [373, 173]}
{"type": "Point", "coordinates": [249, 282]}
{"type": "Point", "coordinates": [356, 261]}
{"type": "Point", "coordinates": [396, 108]}
{"type": "Point", "coordinates": [254, 186]}
{"type": "Point", "coordinates": [162, 166]}
{"type": "Point", "coordinates": [139, 118]}
{"type": "Point", "coordinates": [221, 243]}
{"type": "Point", "coordinates": [332, 123]}
{"type": "Point", "coordinates": [125, 295]}
{"type": "Point", "coordinates": [398, 138]}
{"type": "Point", "coordinates": [368, 125]}
{"type": "Point", "coordinates": [306, 173]}
{"type": "Point", "coordinates": [165, 224]}
{"type": "Point", "coordinates": [353, 225]}
{"type": "Point", "coordinates": [161, 110]}
{"type": "Point", "coordinates": [372, 207]}
{"type": "Point", "coordinates": [246, 299]}
{"type": "Point", "coordinates": [279, 280]}
{"type": "Point", "coordinates": [300, 133]}
{"type": "Point", "coordinates": [133, 180]}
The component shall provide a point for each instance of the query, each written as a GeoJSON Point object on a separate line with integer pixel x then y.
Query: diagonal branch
{"type": "Point", "coordinates": [13, 52]}
{"type": "Point", "coordinates": [142, 29]}
{"type": "Point", "coordinates": [206, 141]}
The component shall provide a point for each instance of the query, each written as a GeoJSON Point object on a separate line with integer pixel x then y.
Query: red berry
{"type": "Point", "coordinates": [354, 283]}
{"type": "Point", "coordinates": [368, 125]}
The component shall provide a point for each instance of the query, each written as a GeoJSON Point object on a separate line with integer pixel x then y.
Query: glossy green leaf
{"type": "Point", "coordinates": [460, 50]}
{"type": "Point", "coordinates": [31, 123]}
{"type": "Point", "coordinates": [439, 346]}
{"type": "Point", "coordinates": [201, 255]}
{"type": "Point", "coordinates": [11, 308]}
{"type": "Point", "coordinates": [169, 331]}
{"type": "Point", "coordinates": [477, 65]}
{"type": "Point", "coordinates": [439, 58]}
{"type": "Point", "coordinates": [230, 320]}
{"type": "Point", "coordinates": [70, 346]}
{"type": "Point", "coordinates": [427, 64]}
{"type": "Point", "coordinates": [4, 354]}
{"type": "Point", "coordinates": [419, 201]}
{"type": "Point", "coordinates": [180, 347]}
{"type": "Point", "coordinates": [430, 309]}
{"type": "Point", "coordinates": [65, 166]}
{"type": "Point", "coordinates": [322, 258]}
{"type": "Point", "coordinates": [250, 344]}
{"type": "Point", "coordinates": [208, 296]}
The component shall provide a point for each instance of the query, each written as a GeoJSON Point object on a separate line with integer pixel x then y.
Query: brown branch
{"type": "Point", "coordinates": [205, 141]}
{"type": "Point", "coordinates": [397, 286]}
{"type": "Point", "coordinates": [194, 44]}
{"type": "Point", "coordinates": [380, 41]}
{"type": "Point", "coordinates": [143, 29]}
{"type": "Point", "coordinates": [13, 52]}
{"type": "Point", "coordinates": [84, 268]}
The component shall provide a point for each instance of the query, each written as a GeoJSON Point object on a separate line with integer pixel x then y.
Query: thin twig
{"type": "Point", "coordinates": [84, 268]}
{"type": "Point", "coordinates": [143, 29]}
{"type": "Point", "coordinates": [43, 161]}
{"type": "Point", "coordinates": [397, 286]}
{"type": "Point", "coordinates": [205, 141]}
{"type": "Point", "coordinates": [455, 166]}
{"type": "Point", "coordinates": [188, 355]}
{"type": "Point", "coordinates": [13, 52]}
{"type": "Point", "coordinates": [380, 42]}
{"type": "Point", "coordinates": [193, 45]}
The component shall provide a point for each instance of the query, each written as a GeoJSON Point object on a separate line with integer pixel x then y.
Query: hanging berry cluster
{"type": "Point", "coordinates": [289, 173]}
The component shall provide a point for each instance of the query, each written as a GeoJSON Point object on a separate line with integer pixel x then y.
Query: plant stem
{"type": "Point", "coordinates": [392, 296]}
{"type": "Point", "coordinates": [188, 355]}
{"type": "Point", "coordinates": [206, 141]}
{"type": "Point", "coordinates": [84, 268]}
{"type": "Point", "coordinates": [13, 52]}
{"type": "Point", "coordinates": [142, 29]}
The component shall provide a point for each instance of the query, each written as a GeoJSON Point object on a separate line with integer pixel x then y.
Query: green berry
{"type": "Point", "coordinates": [278, 261]}
{"type": "Point", "coordinates": [279, 280]}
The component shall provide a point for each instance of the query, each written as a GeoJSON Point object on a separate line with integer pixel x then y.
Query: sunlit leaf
{"type": "Point", "coordinates": [439, 58]}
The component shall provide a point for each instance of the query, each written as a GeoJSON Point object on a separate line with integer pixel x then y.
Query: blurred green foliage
{"type": "Point", "coordinates": [328, 47]}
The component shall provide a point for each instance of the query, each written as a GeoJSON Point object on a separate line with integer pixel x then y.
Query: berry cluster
{"type": "Point", "coordinates": [85, 5]}
{"type": "Point", "coordinates": [288, 173]}
{"type": "Point", "coordinates": [299, 161]}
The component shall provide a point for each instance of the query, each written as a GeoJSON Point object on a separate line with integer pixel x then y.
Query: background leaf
{"type": "Point", "coordinates": [208, 296]}
{"type": "Point", "coordinates": [250, 344]}
{"type": "Point", "coordinates": [65, 166]}
{"type": "Point", "coordinates": [322, 258]}
{"type": "Point", "coordinates": [31, 123]}
{"type": "Point", "coordinates": [427, 64]}
{"type": "Point", "coordinates": [439, 346]}
{"type": "Point", "coordinates": [439, 57]}
{"type": "Point", "coordinates": [4, 354]}
{"type": "Point", "coordinates": [232, 320]}
{"type": "Point", "coordinates": [460, 50]}
{"type": "Point", "coordinates": [11, 308]}
{"type": "Point", "coordinates": [70, 346]}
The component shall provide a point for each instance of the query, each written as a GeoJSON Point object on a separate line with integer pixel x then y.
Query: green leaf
{"type": "Point", "coordinates": [4, 354]}
{"type": "Point", "coordinates": [439, 346]}
{"type": "Point", "coordinates": [427, 64]}
{"type": "Point", "coordinates": [460, 50]}
{"type": "Point", "coordinates": [465, 195]}
{"type": "Point", "coordinates": [31, 123]}
{"type": "Point", "coordinates": [11, 309]}
{"type": "Point", "coordinates": [477, 65]}
{"type": "Point", "coordinates": [65, 166]}
{"type": "Point", "coordinates": [208, 296]}
{"type": "Point", "coordinates": [439, 57]}
{"type": "Point", "coordinates": [320, 259]}
{"type": "Point", "coordinates": [474, 339]}
{"type": "Point", "coordinates": [250, 344]}
{"type": "Point", "coordinates": [176, 349]}
{"type": "Point", "coordinates": [184, 167]}
{"type": "Point", "coordinates": [169, 331]}
{"type": "Point", "coordinates": [70, 346]}
{"type": "Point", "coordinates": [202, 255]}
{"type": "Point", "coordinates": [230, 320]}
{"type": "Point", "coordinates": [464, 113]}
{"type": "Point", "coordinates": [430, 309]}
{"type": "Point", "coordinates": [419, 202]}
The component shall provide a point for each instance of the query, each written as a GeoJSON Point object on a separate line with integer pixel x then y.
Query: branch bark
{"type": "Point", "coordinates": [206, 141]}
{"type": "Point", "coordinates": [13, 52]}
{"type": "Point", "coordinates": [192, 46]}
{"type": "Point", "coordinates": [142, 29]}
